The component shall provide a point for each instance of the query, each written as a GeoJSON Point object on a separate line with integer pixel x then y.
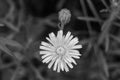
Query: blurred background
{"type": "Point", "coordinates": [25, 23]}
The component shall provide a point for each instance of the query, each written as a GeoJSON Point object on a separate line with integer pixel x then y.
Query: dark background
{"type": "Point", "coordinates": [25, 23]}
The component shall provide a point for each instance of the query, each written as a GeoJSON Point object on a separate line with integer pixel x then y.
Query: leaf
{"type": "Point", "coordinates": [105, 30]}
{"type": "Point", "coordinates": [5, 49]}
{"type": "Point", "coordinates": [115, 38]}
{"type": "Point", "coordinates": [5, 41]}
{"type": "Point", "coordinates": [114, 52]}
{"type": "Point", "coordinates": [10, 42]}
{"type": "Point", "coordinates": [102, 62]}
{"type": "Point", "coordinates": [10, 25]}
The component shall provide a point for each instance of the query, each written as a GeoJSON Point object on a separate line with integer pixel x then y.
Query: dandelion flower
{"type": "Point", "coordinates": [61, 51]}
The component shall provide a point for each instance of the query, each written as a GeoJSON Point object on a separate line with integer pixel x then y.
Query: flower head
{"type": "Point", "coordinates": [60, 51]}
{"type": "Point", "coordinates": [64, 16]}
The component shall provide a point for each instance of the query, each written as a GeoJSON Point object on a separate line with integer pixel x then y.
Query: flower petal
{"type": "Point", "coordinates": [46, 59]}
{"type": "Point", "coordinates": [50, 58]}
{"type": "Point", "coordinates": [48, 54]}
{"type": "Point", "coordinates": [47, 45]}
{"type": "Point", "coordinates": [52, 62]}
{"type": "Point", "coordinates": [68, 63]}
{"type": "Point", "coordinates": [77, 47]}
{"type": "Point", "coordinates": [58, 70]}
{"type": "Point", "coordinates": [52, 39]}
{"type": "Point", "coordinates": [74, 52]}
{"type": "Point", "coordinates": [74, 56]}
{"type": "Point", "coordinates": [46, 48]}
{"type": "Point", "coordinates": [69, 39]}
{"type": "Point", "coordinates": [70, 59]}
{"type": "Point", "coordinates": [45, 52]}
{"type": "Point", "coordinates": [62, 66]}
{"type": "Point", "coordinates": [56, 64]}
{"type": "Point", "coordinates": [73, 42]}
{"type": "Point", "coordinates": [60, 35]}
{"type": "Point", "coordinates": [65, 67]}
{"type": "Point", "coordinates": [67, 57]}
{"type": "Point", "coordinates": [67, 36]}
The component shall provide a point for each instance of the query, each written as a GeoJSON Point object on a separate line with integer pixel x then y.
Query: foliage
{"type": "Point", "coordinates": [25, 23]}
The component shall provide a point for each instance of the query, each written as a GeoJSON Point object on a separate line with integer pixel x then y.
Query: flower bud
{"type": "Point", "coordinates": [64, 16]}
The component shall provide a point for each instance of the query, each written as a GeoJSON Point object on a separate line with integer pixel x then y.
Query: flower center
{"type": "Point", "coordinates": [60, 50]}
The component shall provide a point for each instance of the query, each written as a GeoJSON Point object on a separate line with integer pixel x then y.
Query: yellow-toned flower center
{"type": "Point", "coordinates": [60, 50]}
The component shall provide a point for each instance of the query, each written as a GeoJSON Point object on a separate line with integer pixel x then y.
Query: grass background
{"type": "Point", "coordinates": [25, 23]}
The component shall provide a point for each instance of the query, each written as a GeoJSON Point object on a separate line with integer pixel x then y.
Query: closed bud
{"type": "Point", "coordinates": [64, 16]}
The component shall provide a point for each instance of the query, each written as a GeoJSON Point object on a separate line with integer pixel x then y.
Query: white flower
{"type": "Point", "coordinates": [60, 51]}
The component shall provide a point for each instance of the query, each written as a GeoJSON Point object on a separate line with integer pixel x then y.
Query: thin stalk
{"type": "Point", "coordinates": [115, 38]}
{"type": "Point", "coordinates": [105, 4]}
{"type": "Point", "coordinates": [116, 24]}
{"type": "Point", "coordinates": [93, 9]}
{"type": "Point", "coordinates": [90, 19]}
{"type": "Point", "coordinates": [107, 43]}
{"type": "Point", "coordinates": [106, 26]}
{"type": "Point", "coordinates": [114, 52]}
{"type": "Point", "coordinates": [86, 14]}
